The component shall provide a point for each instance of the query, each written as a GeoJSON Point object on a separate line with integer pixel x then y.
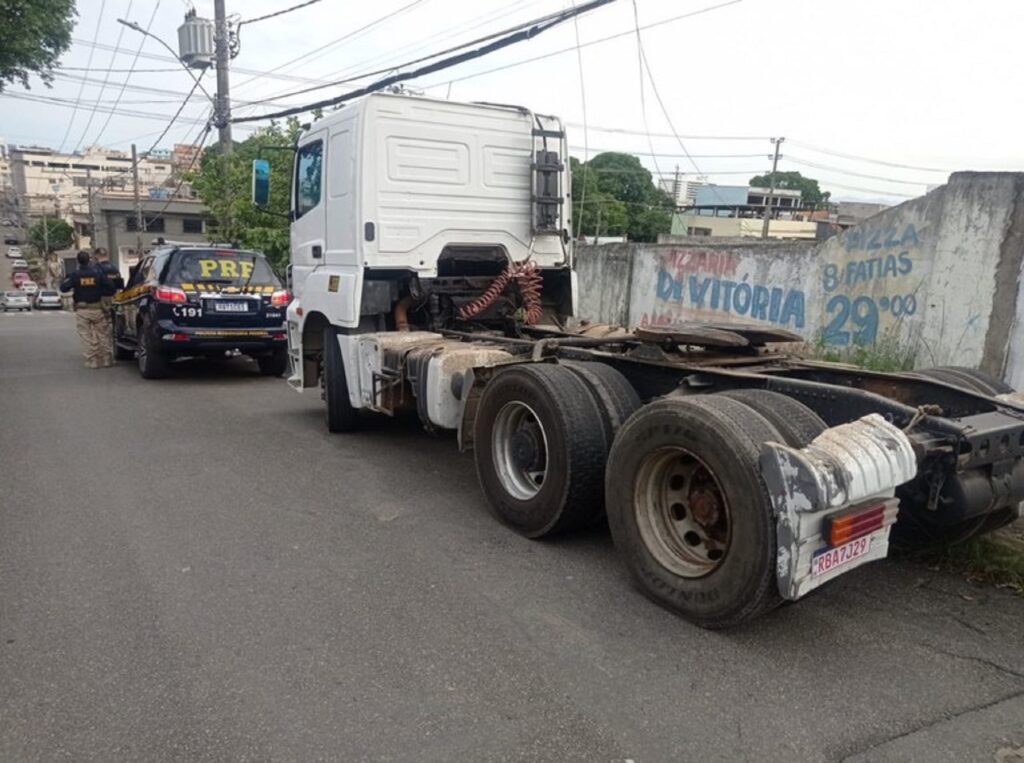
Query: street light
{"type": "Point", "coordinates": [147, 33]}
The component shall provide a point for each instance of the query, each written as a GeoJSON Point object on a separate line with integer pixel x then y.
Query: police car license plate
{"type": "Point", "coordinates": [831, 558]}
{"type": "Point", "coordinates": [224, 306]}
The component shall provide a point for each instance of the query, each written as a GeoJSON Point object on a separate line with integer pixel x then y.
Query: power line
{"type": "Point", "coordinates": [423, 43]}
{"type": "Point", "coordinates": [524, 34]}
{"type": "Point", "coordinates": [276, 13]}
{"type": "Point", "coordinates": [81, 88]}
{"type": "Point", "coordinates": [349, 35]}
{"type": "Point", "coordinates": [586, 44]}
{"type": "Point", "coordinates": [626, 131]}
{"type": "Point", "coordinates": [116, 71]}
{"type": "Point", "coordinates": [814, 165]}
{"type": "Point", "coordinates": [135, 60]}
{"type": "Point", "coordinates": [675, 156]}
{"type": "Point", "coordinates": [159, 57]}
{"type": "Point", "coordinates": [855, 157]}
{"type": "Point", "coordinates": [421, 59]}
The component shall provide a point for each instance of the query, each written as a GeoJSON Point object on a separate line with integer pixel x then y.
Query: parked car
{"type": "Point", "coordinates": [20, 277]}
{"type": "Point", "coordinates": [30, 287]}
{"type": "Point", "coordinates": [13, 252]}
{"type": "Point", "coordinates": [47, 300]}
{"type": "Point", "coordinates": [15, 300]}
{"type": "Point", "coordinates": [19, 265]}
{"type": "Point", "coordinates": [201, 300]}
{"type": "Point", "coordinates": [11, 240]}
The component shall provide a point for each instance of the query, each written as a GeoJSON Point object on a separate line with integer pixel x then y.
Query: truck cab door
{"type": "Point", "coordinates": [308, 230]}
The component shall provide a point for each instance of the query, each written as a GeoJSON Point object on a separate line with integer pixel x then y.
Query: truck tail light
{"type": "Point", "coordinates": [843, 528]}
{"type": "Point", "coordinates": [280, 298]}
{"type": "Point", "coordinates": [169, 294]}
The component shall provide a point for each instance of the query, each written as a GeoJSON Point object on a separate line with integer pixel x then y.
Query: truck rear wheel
{"type": "Point", "coordinates": [797, 423]}
{"type": "Point", "coordinates": [540, 449]}
{"type": "Point", "coordinates": [615, 397]}
{"type": "Point", "coordinates": [341, 416]}
{"type": "Point", "coordinates": [688, 509]}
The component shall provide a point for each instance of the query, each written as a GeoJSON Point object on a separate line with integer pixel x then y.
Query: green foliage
{"type": "Point", "coordinates": [888, 354]}
{"type": "Point", "coordinates": [33, 35]}
{"type": "Point", "coordinates": [621, 198]}
{"type": "Point", "coordinates": [810, 193]}
{"type": "Point", "coordinates": [224, 184]}
{"type": "Point", "coordinates": [56, 236]}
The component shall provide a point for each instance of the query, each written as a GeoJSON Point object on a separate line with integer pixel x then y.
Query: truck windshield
{"type": "Point", "coordinates": [224, 267]}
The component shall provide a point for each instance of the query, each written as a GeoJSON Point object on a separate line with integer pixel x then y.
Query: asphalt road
{"type": "Point", "coordinates": [194, 569]}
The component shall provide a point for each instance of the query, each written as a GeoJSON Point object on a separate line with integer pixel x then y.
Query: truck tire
{"type": "Point", "coordinates": [970, 379]}
{"type": "Point", "coordinates": [615, 397]}
{"type": "Point", "coordinates": [540, 450]}
{"type": "Point", "coordinates": [689, 512]}
{"type": "Point", "coordinates": [153, 364]}
{"type": "Point", "coordinates": [341, 416]}
{"type": "Point", "coordinates": [274, 364]}
{"type": "Point", "coordinates": [797, 423]}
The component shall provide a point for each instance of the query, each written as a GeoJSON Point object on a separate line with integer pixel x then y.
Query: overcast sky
{"type": "Point", "coordinates": [921, 85]}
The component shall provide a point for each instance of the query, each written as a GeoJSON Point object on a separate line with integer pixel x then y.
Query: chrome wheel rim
{"type": "Point", "coordinates": [519, 446]}
{"type": "Point", "coordinates": [682, 513]}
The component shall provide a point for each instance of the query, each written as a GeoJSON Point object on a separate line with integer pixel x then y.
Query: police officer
{"type": "Point", "coordinates": [102, 260]}
{"type": "Point", "coordinates": [90, 285]}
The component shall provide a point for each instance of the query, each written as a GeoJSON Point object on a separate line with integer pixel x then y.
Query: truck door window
{"type": "Point", "coordinates": [308, 177]}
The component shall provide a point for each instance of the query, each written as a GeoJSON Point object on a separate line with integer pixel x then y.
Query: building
{"type": "Point", "coordinates": [855, 212]}
{"type": "Point", "coordinates": [183, 156]}
{"type": "Point", "coordinates": [740, 227]}
{"type": "Point", "coordinates": [682, 190]}
{"type": "Point", "coordinates": [175, 219]}
{"type": "Point", "coordinates": [58, 184]}
{"type": "Point", "coordinates": [710, 196]}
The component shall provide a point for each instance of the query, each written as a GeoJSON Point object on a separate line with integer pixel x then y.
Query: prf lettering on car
{"type": "Point", "coordinates": [225, 268]}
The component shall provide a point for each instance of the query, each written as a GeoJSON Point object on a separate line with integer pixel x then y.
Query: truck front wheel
{"type": "Point", "coordinates": [689, 512]}
{"type": "Point", "coordinates": [341, 416]}
{"type": "Point", "coordinates": [540, 449]}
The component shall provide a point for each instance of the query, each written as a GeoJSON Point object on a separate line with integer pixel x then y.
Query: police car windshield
{"type": "Point", "coordinates": [224, 267]}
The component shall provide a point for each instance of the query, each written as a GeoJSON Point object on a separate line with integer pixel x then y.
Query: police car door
{"type": "Point", "coordinates": [135, 292]}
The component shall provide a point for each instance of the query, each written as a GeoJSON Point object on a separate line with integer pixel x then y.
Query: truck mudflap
{"type": "Point", "coordinates": [834, 500]}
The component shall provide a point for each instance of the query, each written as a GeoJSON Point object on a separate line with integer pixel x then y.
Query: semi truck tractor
{"type": "Point", "coordinates": [432, 271]}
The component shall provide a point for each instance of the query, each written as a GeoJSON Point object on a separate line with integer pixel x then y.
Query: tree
{"type": "Point", "coordinates": [33, 35]}
{"type": "Point", "coordinates": [810, 193]}
{"type": "Point", "coordinates": [50, 234]}
{"type": "Point", "coordinates": [620, 197]}
{"type": "Point", "coordinates": [224, 184]}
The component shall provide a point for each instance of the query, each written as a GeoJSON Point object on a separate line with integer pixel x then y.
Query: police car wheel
{"type": "Point", "coordinates": [273, 365]}
{"type": "Point", "coordinates": [119, 352]}
{"type": "Point", "coordinates": [152, 362]}
{"type": "Point", "coordinates": [341, 416]}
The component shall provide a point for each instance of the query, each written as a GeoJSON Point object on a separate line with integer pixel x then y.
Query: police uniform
{"type": "Point", "coordinates": [90, 285]}
{"type": "Point", "coordinates": [114, 276]}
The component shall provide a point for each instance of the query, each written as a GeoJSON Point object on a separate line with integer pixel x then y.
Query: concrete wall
{"type": "Point", "coordinates": [940, 273]}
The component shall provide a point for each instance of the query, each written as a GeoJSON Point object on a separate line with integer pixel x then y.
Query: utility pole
{"type": "Point", "coordinates": [771, 187]}
{"type": "Point", "coordinates": [92, 213]}
{"type": "Point", "coordinates": [221, 49]}
{"type": "Point", "coordinates": [138, 204]}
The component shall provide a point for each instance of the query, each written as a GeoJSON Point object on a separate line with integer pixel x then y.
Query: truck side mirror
{"type": "Point", "coordinates": [260, 182]}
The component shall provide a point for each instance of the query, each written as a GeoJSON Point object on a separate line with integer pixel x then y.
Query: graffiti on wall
{"type": "Point", "coordinates": [872, 286]}
{"type": "Point", "coordinates": [693, 285]}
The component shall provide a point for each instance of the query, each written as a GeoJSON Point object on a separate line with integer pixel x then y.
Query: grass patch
{"type": "Point", "coordinates": [996, 559]}
{"type": "Point", "coordinates": [889, 353]}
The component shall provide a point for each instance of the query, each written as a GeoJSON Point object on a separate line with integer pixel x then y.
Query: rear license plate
{"type": "Point", "coordinates": [230, 307]}
{"type": "Point", "coordinates": [831, 558]}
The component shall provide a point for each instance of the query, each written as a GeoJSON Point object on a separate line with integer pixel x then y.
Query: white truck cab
{"type": "Point", "coordinates": [414, 205]}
